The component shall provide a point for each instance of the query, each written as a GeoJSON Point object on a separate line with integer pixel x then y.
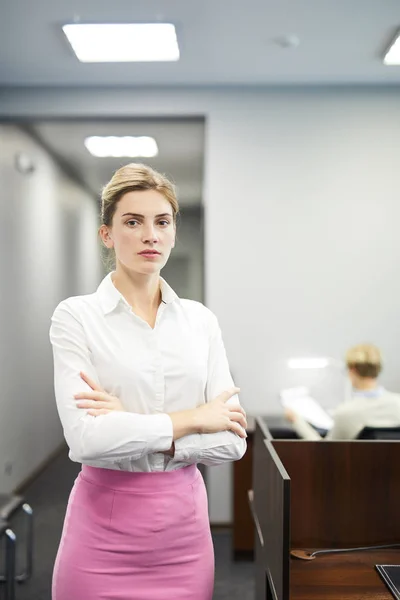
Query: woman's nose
{"type": "Point", "coordinates": [150, 234]}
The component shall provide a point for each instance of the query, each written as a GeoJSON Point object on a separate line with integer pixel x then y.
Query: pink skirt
{"type": "Point", "coordinates": [136, 536]}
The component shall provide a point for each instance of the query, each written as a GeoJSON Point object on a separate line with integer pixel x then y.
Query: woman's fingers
{"type": "Point", "coordinates": [237, 408]}
{"type": "Point", "coordinates": [238, 417]}
{"type": "Point", "coordinates": [98, 400]}
{"type": "Point", "coordinates": [90, 382]}
{"type": "Point", "coordinates": [92, 404]}
{"type": "Point", "coordinates": [236, 428]}
{"type": "Point", "coordinates": [102, 396]}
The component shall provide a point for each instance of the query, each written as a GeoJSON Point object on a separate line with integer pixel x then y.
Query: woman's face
{"type": "Point", "coordinates": [142, 232]}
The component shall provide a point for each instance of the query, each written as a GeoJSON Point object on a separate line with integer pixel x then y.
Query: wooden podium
{"type": "Point", "coordinates": [324, 495]}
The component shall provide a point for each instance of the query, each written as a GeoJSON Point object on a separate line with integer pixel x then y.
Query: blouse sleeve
{"type": "Point", "coordinates": [213, 448]}
{"type": "Point", "coordinates": [110, 437]}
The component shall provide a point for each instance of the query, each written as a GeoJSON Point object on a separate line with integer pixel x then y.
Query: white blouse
{"type": "Point", "coordinates": [178, 365]}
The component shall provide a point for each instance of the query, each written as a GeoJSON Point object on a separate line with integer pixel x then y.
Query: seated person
{"type": "Point", "coordinates": [370, 406]}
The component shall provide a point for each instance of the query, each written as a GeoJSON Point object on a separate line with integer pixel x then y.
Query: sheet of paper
{"type": "Point", "coordinates": [299, 400]}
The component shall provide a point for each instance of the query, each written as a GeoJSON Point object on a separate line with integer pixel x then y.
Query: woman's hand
{"type": "Point", "coordinates": [97, 402]}
{"type": "Point", "coordinates": [217, 415]}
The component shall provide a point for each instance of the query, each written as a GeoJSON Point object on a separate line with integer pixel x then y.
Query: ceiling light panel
{"type": "Point", "coordinates": [124, 42]}
{"type": "Point", "coordinates": [116, 147]}
{"type": "Point", "coordinates": [392, 56]}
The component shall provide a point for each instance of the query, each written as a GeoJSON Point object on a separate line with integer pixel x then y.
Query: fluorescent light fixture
{"type": "Point", "coordinates": [308, 363]}
{"type": "Point", "coordinates": [123, 42]}
{"type": "Point", "coordinates": [113, 146]}
{"type": "Point", "coordinates": [392, 56]}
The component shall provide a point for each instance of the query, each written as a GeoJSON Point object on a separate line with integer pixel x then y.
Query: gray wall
{"type": "Point", "coordinates": [301, 222]}
{"type": "Point", "coordinates": [185, 268]}
{"type": "Point", "coordinates": [49, 251]}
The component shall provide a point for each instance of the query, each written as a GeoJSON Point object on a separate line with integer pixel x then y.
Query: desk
{"type": "Point", "coordinates": [313, 495]}
{"type": "Point", "coordinates": [341, 577]}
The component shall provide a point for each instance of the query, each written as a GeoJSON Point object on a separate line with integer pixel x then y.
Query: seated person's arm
{"type": "Point", "coordinates": [303, 429]}
{"type": "Point", "coordinates": [346, 425]}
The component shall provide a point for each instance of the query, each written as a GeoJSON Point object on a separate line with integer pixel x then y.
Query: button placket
{"type": "Point", "coordinates": [159, 375]}
{"type": "Point", "coordinates": [160, 312]}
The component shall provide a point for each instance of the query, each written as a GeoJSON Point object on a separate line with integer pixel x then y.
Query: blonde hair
{"type": "Point", "coordinates": [131, 178]}
{"type": "Point", "coordinates": [365, 360]}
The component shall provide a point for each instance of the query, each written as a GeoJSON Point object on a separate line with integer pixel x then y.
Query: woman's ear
{"type": "Point", "coordinates": [106, 237]}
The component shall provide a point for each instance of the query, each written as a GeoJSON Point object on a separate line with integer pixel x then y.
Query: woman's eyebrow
{"type": "Point", "coordinates": [142, 216]}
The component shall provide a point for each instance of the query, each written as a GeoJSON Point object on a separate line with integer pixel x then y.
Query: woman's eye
{"type": "Point", "coordinates": [164, 222]}
{"type": "Point", "coordinates": [132, 221]}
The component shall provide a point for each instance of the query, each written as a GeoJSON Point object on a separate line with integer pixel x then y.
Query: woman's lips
{"type": "Point", "coordinates": [149, 254]}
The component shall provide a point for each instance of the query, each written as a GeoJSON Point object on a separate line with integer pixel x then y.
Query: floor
{"type": "Point", "coordinates": [48, 495]}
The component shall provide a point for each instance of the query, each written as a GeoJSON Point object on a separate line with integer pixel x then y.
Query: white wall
{"type": "Point", "coordinates": [301, 221]}
{"type": "Point", "coordinates": [49, 251]}
{"type": "Point", "coordinates": [302, 242]}
{"type": "Point", "coordinates": [302, 232]}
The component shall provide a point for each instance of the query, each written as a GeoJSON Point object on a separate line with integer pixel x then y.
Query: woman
{"type": "Point", "coordinates": [370, 406]}
{"type": "Point", "coordinates": [144, 393]}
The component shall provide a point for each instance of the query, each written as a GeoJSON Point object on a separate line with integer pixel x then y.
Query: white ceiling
{"type": "Point", "coordinates": [222, 42]}
{"type": "Point", "coordinates": [180, 143]}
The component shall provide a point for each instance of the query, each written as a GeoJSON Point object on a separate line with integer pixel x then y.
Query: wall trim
{"type": "Point", "coordinates": [42, 467]}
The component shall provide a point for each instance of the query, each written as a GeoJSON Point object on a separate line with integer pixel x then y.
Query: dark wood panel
{"type": "Point", "coordinates": [260, 573]}
{"type": "Point", "coordinates": [243, 526]}
{"type": "Point", "coordinates": [342, 493]}
{"type": "Point", "coordinates": [271, 508]}
{"type": "Point", "coordinates": [341, 577]}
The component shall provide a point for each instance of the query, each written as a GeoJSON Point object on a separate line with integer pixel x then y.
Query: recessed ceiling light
{"type": "Point", "coordinates": [113, 146]}
{"type": "Point", "coordinates": [124, 42]}
{"type": "Point", "coordinates": [308, 363]}
{"type": "Point", "coordinates": [392, 56]}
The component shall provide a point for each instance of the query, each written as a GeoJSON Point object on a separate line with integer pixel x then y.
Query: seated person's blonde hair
{"type": "Point", "coordinates": [365, 360]}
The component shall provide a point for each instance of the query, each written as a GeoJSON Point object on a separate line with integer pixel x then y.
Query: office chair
{"type": "Point", "coordinates": [9, 579]}
{"type": "Point", "coordinates": [379, 433]}
{"type": "Point", "coordinates": [10, 504]}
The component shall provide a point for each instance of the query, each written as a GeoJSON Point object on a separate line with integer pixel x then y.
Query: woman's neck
{"type": "Point", "coordinates": [142, 292]}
